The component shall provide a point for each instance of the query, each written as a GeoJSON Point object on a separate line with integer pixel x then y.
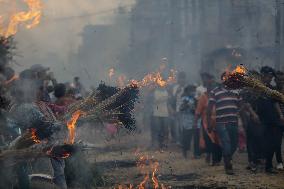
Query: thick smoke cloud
{"type": "Point", "coordinates": [59, 34]}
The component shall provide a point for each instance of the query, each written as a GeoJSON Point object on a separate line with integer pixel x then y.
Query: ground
{"type": "Point", "coordinates": [117, 161]}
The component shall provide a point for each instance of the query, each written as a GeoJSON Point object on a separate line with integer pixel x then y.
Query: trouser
{"type": "Point", "coordinates": [159, 131]}
{"type": "Point", "coordinates": [279, 147]}
{"type": "Point", "coordinates": [212, 149]}
{"type": "Point", "coordinates": [255, 142]}
{"type": "Point", "coordinates": [58, 166]}
{"type": "Point", "coordinates": [172, 128]}
{"type": "Point", "coordinates": [252, 147]}
{"type": "Point", "coordinates": [187, 135]}
{"type": "Point", "coordinates": [228, 134]}
{"type": "Point", "coordinates": [22, 174]}
{"type": "Point", "coordinates": [178, 128]}
{"type": "Point", "coordinates": [273, 138]}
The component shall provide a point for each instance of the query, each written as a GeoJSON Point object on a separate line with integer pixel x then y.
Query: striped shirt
{"type": "Point", "coordinates": [226, 103]}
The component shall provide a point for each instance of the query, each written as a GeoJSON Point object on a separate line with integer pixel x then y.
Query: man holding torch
{"type": "Point", "coordinates": [226, 103]}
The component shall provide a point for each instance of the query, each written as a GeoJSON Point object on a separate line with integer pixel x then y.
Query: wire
{"type": "Point", "coordinates": [86, 15]}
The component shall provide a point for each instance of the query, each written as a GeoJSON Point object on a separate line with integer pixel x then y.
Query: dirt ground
{"type": "Point", "coordinates": [117, 161]}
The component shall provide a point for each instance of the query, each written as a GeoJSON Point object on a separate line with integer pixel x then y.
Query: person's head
{"type": "Point", "coordinates": [181, 78]}
{"type": "Point", "coordinates": [24, 91]}
{"type": "Point", "coordinates": [207, 79]}
{"type": "Point", "coordinates": [267, 74]}
{"type": "Point", "coordinates": [76, 79]}
{"type": "Point", "coordinates": [39, 71]}
{"type": "Point", "coordinates": [26, 74]}
{"type": "Point", "coordinates": [189, 90]}
{"type": "Point", "coordinates": [59, 90]}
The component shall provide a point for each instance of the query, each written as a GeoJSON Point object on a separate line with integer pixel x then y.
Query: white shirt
{"type": "Point", "coordinates": [160, 103]}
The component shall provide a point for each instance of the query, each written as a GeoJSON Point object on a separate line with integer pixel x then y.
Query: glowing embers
{"type": "Point", "coordinates": [34, 136]}
{"type": "Point", "coordinates": [30, 18]}
{"type": "Point", "coordinates": [61, 151]}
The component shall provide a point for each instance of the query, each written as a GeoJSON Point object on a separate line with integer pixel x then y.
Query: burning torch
{"type": "Point", "coordinates": [240, 78]}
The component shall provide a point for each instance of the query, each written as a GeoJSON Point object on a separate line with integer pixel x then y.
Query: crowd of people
{"type": "Point", "coordinates": [219, 120]}
{"type": "Point", "coordinates": [31, 100]}
{"type": "Point", "coordinates": [212, 118]}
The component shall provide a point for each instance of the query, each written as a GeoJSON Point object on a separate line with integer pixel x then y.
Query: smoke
{"type": "Point", "coordinates": [59, 35]}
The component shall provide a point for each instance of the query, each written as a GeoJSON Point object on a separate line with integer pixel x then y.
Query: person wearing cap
{"type": "Point", "coordinates": [270, 116]}
{"type": "Point", "coordinates": [78, 87]}
{"type": "Point", "coordinates": [42, 79]}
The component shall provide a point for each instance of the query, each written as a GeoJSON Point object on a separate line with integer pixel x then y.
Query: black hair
{"type": "Point", "coordinates": [59, 90]}
{"type": "Point", "coordinates": [188, 89]}
{"type": "Point", "coordinates": [205, 75]}
{"type": "Point", "coordinates": [267, 70]}
{"type": "Point", "coordinates": [26, 74]}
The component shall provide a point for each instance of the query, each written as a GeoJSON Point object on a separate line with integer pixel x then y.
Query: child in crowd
{"type": "Point", "coordinates": [187, 110]}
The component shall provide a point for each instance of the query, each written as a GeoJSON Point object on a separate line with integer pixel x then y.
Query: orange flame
{"type": "Point", "coordinates": [240, 69]}
{"type": "Point", "coordinates": [14, 78]}
{"type": "Point", "coordinates": [34, 137]}
{"type": "Point", "coordinates": [156, 78]}
{"type": "Point", "coordinates": [149, 168]}
{"type": "Point", "coordinates": [63, 156]}
{"type": "Point", "coordinates": [71, 125]}
{"type": "Point", "coordinates": [154, 178]}
{"type": "Point", "coordinates": [33, 15]}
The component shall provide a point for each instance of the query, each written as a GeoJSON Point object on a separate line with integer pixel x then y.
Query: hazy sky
{"type": "Point", "coordinates": [58, 33]}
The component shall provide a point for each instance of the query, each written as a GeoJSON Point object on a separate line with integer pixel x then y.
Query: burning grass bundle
{"type": "Point", "coordinates": [35, 135]}
{"type": "Point", "coordinates": [108, 104]}
{"type": "Point", "coordinates": [15, 156]}
{"type": "Point", "coordinates": [6, 48]}
{"type": "Point", "coordinates": [105, 104]}
{"type": "Point", "coordinates": [239, 78]}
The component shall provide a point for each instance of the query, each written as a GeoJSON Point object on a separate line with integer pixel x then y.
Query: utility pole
{"type": "Point", "coordinates": [278, 33]}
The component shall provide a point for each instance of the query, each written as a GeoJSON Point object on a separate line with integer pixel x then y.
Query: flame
{"type": "Point", "coordinates": [33, 15]}
{"type": "Point", "coordinates": [14, 78]}
{"type": "Point", "coordinates": [71, 125]}
{"type": "Point", "coordinates": [154, 178]}
{"type": "Point", "coordinates": [155, 78]}
{"type": "Point", "coordinates": [34, 136]}
{"type": "Point", "coordinates": [149, 168]}
{"type": "Point", "coordinates": [63, 156]}
{"type": "Point", "coordinates": [240, 69]}
{"type": "Point", "coordinates": [143, 183]}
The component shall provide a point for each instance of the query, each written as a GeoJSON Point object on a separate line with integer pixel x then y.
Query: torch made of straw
{"type": "Point", "coordinates": [236, 80]}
